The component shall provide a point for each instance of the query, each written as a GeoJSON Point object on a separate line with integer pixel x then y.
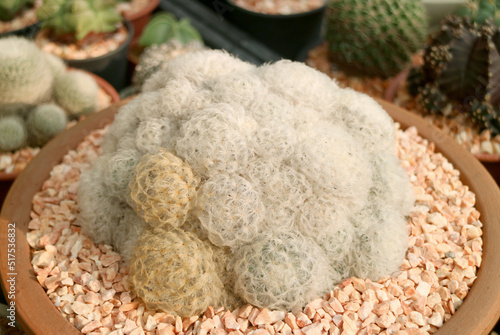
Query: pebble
{"type": "Point", "coordinates": [88, 283]}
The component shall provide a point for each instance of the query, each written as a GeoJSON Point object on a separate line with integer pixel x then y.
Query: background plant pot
{"type": "Point", "coordinates": [291, 35]}
{"type": "Point", "coordinates": [28, 32]}
{"type": "Point", "coordinates": [112, 66]}
{"type": "Point", "coordinates": [141, 18]}
{"type": "Point", "coordinates": [490, 161]}
{"type": "Point", "coordinates": [438, 9]}
{"type": "Point", "coordinates": [37, 314]}
{"type": "Point", "coordinates": [6, 179]}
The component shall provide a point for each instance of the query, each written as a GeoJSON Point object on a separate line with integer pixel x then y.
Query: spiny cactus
{"type": "Point", "coordinates": [13, 134]}
{"type": "Point", "coordinates": [45, 122]}
{"type": "Point", "coordinates": [25, 76]}
{"type": "Point", "coordinates": [462, 67]}
{"type": "Point", "coordinates": [79, 17]}
{"type": "Point", "coordinates": [154, 57]}
{"type": "Point", "coordinates": [377, 37]}
{"type": "Point", "coordinates": [76, 92]}
{"type": "Point", "coordinates": [285, 221]}
{"type": "Point", "coordinates": [480, 11]}
{"type": "Point", "coordinates": [10, 8]}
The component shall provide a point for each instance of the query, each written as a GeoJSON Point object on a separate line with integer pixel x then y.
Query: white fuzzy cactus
{"type": "Point", "coordinates": [76, 92]}
{"type": "Point", "coordinates": [25, 76]}
{"type": "Point", "coordinates": [298, 185]}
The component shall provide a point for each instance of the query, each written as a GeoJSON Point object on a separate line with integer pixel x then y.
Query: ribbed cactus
{"type": "Point", "coordinates": [79, 17]}
{"type": "Point", "coordinates": [164, 27]}
{"type": "Point", "coordinates": [13, 135]}
{"type": "Point", "coordinates": [76, 92]}
{"type": "Point", "coordinates": [481, 10]}
{"type": "Point", "coordinates": [45, 122]}
{"type": "Point", "coordinates": [462, 67]}
{"type": "Point", "coordinates": [10, 8]}
{"type": "Point", "coordinates": [376, 37]}
{"type": "Point", "coordinates": [25, 76]}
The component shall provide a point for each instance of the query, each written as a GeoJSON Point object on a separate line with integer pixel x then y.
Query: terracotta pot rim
{"type": "Point", "coordinates": [103, 84]}
{"type": "Point", "coordinates": [277, 16]}
{"type": "Point", "coordinates": [390, 95]}
{"type": "Point", "coordinates": [151, 6]}
{"type": "Point", "coordinates": [38, 315]}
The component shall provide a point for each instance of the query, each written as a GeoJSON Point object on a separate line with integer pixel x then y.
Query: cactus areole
{"type": "Point", "coordinates": [223, 183]}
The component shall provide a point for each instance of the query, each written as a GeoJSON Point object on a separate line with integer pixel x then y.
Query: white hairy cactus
{"type": "Point", "coordinates": [76, 92]}
{"type": "Point", "coordinates": [297, 182]}
{"type": "Point", "coordinates": [25, 76]}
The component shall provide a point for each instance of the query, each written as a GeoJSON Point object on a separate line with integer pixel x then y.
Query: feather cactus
{"type": "Point", "coordinates": [462, 67]}
{"type": "Point", "coordinates": [377, 37]}
{"type": "Point", "coordinates": [79, 17]}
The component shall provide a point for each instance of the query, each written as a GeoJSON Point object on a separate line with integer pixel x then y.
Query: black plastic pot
{"type": "Point", "coordinates": [112, 67]}
{"type": "Point", "coordinates": [289, 35]}
{"type": "Point", "coordinates": [28, 32]}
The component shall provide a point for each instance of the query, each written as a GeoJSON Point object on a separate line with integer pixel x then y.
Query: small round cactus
{"type": "Point", "coordinates": [56, 65]}
{"type": "Point", "coordinates": [25, 76]}
{"type": "Point", "coordinates": [76, 92]}
{"type": "Point", "coordinates": [13, 134]}
{"type": "Point", "coordinates": [45, 122]}
{"type": "Point", "coordinates": [175, 271]}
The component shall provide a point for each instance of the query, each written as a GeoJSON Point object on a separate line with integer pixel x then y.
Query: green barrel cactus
{"type": "Point", "coordinates": [480, 11]}
{"type": "Point", "coordinates": [76, 92]}
{"type": "Point", "coordinates": [164, 27]}
{"type": "Point", "coordinates": [462, 68]}
{"type": "Point", "coordinates": [23, 69]}
{"type": "Point", "coordinates": [79, 17]}
{"type": "Point", "coordinates": [376, 37]}
{"type": "Point", "coordinates": [10, 8]}
{"type": "Point", "coordinates": [45, 122]}
{"type": "Point", "coordinates": [13, 134]}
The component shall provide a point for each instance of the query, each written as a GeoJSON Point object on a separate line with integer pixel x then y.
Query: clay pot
{"type": "Point", "coordinates": [141, 18]}
{"type": "Point", "coordinates": [490, 161]}
{"type": "Point", "coordinates": [6, 179]}
{"type": "Point", "coordinates": [37, 314]}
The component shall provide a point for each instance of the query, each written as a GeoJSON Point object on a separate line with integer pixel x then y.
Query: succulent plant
{"type": "Point", "coordinates": [480, 11]}
{"type": "Point", "coordinates": [79, 17]}
{"type": "Point", "coordinates": [44, 122]}
{"type": "Point", "coordinates": [154, 57]}
{"type": "Point", "coordinates": [164, 27]}
{"type": "Point", "coordinates": [284, 221]}
{"type": "Point", "coordinates": [10, 8]}
{"type": "Point", "coordinates": [376, 37]}
{"type": "Point", "coordinates": [76, 92]}
{"type": "Point", "coordinates": [23, 69]}
{"type": "Point", "coordinates": [461, 67]}
{"type": "Point", "coordinates": [13, 134]}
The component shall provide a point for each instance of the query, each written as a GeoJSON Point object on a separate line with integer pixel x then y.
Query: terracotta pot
{"type": "Point", "coordinates": [37, 314]}
{"type": "Point", "coordinates": [6, 179]}
{"type": "Point", "coordinates": [141, 18]}
{"type": "Point", "coordinates": [490, 161]}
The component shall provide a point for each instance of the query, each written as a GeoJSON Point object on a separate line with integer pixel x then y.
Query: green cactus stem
{"type": "Point", "coordinates": [10, 8]}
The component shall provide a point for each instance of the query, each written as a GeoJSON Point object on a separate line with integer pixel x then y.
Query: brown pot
{"type": "Point", "coordinates": [37, 314]}
{"type": "Point", "coordinates": [141, 18]}
{"type": "Point", "coordinates": [490, 161]}
{"type": "Point", "coordinates": [6, 179]}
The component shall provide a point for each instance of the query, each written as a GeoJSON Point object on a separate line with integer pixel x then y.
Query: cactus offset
{"type": "Point", "coordinates": [45, 122]}
{"type": "Point", "coordinates": [13, 134]}
{"type": "Point", "coordinates": [377, 37]}
{"type": "Point", "coordinates": [79, 17]}
{"type": "Point", "coordinates": [10, 8]}
{"type": "Point", "coordinates": [76, 92]}
{"type": "Point", "coordinates": [462, 67]}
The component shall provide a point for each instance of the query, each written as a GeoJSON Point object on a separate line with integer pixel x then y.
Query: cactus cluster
{"type": "Point", "coordinates": [79, 17]}
{"type": "Point", "coordinates": [37, 88]}
{"type": "Point", "coordinates": [461, 70]}
{"type": "Point", "coordinates": [273, 176]}
{"type": "Point", "coordinates": [375, 37]}
{"type": "Point", "coordinates": [10, 8]}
